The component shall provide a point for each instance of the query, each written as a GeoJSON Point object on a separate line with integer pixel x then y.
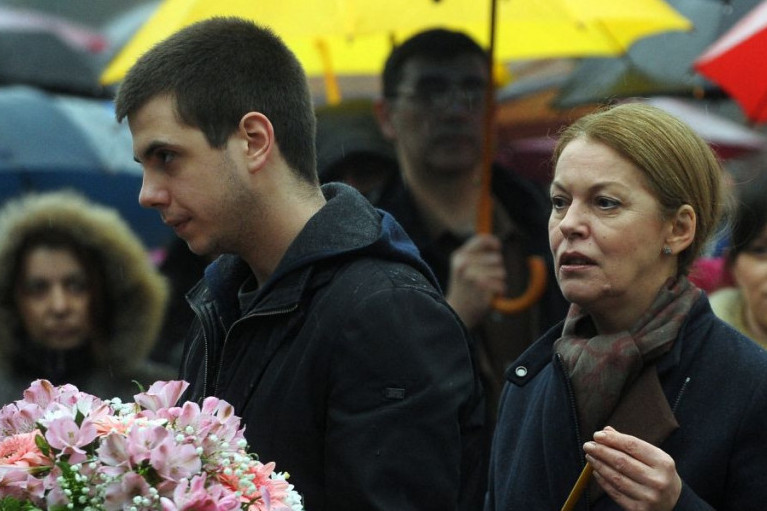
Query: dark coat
{"type": "Point", "coordinates": [715, 382]}
{"type": "Point", "coordinates": [525, 204]}
{"type": "Point", "coordinates": [521, 223]}
{"type": "Point", "coordinates": [349, 369]}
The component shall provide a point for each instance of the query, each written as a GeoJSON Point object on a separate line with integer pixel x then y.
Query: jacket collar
{"type": "Point", "coordinates": [347, 224]}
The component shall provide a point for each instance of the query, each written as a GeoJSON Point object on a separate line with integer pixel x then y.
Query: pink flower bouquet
{"type": "Point", "coordinates": [62, 449]}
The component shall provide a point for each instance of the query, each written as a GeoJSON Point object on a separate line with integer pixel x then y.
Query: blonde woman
{"type": "Point", "coordinates": [664, 401]}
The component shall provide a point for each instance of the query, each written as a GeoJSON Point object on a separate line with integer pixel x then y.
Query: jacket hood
{"type": "Point", "coordinates": [136, 290]}
{"type": "Point", "coordinates": [346, 225]}
{"type": "Point", "coordinates": [349, 224]}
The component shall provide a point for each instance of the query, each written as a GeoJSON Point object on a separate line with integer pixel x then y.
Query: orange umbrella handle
{"type": "Point", "coordinates": [535, 287]}
{"type": "Point", "coordinates": [536, 264]}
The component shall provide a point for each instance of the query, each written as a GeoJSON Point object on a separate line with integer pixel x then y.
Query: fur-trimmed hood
{"type": "Point", "coordinates": [137, 291]}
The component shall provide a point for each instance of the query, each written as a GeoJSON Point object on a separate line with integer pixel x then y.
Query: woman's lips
{"type": "Point", "coordinates": [573, 261]}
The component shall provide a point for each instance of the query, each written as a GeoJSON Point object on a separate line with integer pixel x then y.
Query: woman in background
{"type": "Point", "coordinates": [744, 305]}
{"type": "Point", "coordinates": [80, 301]}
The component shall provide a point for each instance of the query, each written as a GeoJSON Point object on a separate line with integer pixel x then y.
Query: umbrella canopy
{"type": "Point", "coordinates": [736, 62]}
{"type": "Point", "coordinates": [49, 142]}
{"type": "Point", "coordinates": [525, 107]}
{"type": "Point", "coordinates": [86, 12]}
{"type": "Point", "coordinates": [659, 64]}
{"type": "Point", "coordinates": [729, 139]}
{"type": "Point", "coordinates": [122, 26]}
{"type": "Point", "coordinates": [46, 51]}
{"type": "Point", "coordinates": [355, 36]}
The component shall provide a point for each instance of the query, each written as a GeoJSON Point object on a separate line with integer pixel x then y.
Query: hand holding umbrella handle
{"type": "Point", "coordinates": [536, 265]}
{"type": "Point", "coordinates": [535, 287]}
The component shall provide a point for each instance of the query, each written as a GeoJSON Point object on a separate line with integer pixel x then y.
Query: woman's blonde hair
{"type": "Point", "coordinates": [679, 165]}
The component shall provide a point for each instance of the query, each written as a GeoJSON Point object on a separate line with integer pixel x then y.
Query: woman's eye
{"type": "Point", "coordinates": [607, 203]}
{"type": "Point", "coordinates": [77, 285]}
{"type": "Point", "coordinates": [758, 249]}
{"type": "Point", "coordinates": [35, 287]}
{"type": "Point", "coordinates": [558, 202]}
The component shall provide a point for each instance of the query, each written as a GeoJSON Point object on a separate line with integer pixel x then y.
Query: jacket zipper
{"type": "Point", "coordinates": [574, 412]}
{"type": "Point", "coordinates": [679, 395]}
{"type": "Point", "coordinates": [201, 316]}
{"type": "Point", "coordinates": [275, 312]}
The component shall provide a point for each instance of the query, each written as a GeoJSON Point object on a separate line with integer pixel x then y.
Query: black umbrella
{"type": "Point", "coordinates": [50, 142]}
{"type": "Point", "coordinates": [656, 65]}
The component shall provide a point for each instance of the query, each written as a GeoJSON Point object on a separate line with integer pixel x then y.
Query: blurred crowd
{"type": "Point", "coordinates": [354, 300]}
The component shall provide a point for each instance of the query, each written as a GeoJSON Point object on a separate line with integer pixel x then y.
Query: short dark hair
{"type": "Point", "coordinates": [750, 206]}
{"type": "Point", "coordinates": [435, 45]}
{"type": "Point", "coordinates": [219, 69]}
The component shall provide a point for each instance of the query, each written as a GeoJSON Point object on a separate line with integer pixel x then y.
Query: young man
{"type": "Point", "coordinates": [433, 109]}
{"type": "Point", "coordinates": [319, 324]}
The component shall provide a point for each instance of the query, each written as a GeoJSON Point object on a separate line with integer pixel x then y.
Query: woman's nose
{"type": "Point", "coordinates": [58, 299]}
{"type": "Point", "coordinates": [573, 221]}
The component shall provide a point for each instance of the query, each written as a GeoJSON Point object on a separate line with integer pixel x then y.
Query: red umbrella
{"type": "Point", "coordinates": [736, 61]}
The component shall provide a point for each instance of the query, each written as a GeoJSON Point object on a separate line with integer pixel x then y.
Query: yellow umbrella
{"type": "Point", "coordinates": [332, 37]}
{"type": "Point", "coordinates": [357, 35]}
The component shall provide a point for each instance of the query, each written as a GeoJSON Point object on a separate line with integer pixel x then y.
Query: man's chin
{"type": "Point", "coordinates": [63, 342]}
{"type": "Point", "coordinates": [200, 249]}
{"type": "Point", "coordinates": [455, 167]}
{"type": "Point", "coordinates": [455, 159]}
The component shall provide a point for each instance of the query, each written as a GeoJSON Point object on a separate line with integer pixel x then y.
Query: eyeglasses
{"type": "Point", "coordinates": [441, 94]}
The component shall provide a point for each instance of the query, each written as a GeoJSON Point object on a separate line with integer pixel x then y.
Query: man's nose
{"type": "Point", "coordinates": [460, 99]}
{"type": "Point", "coordinates": [151, 195]}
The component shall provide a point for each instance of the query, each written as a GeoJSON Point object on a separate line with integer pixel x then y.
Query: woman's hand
{"type": "Point", "coordinates": [637, 475]}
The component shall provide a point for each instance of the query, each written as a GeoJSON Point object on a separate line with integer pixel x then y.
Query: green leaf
{"type": "Point", "coordinates": [14, 504]}
{"type": "Point", "coordinates": [43, 445]}
{"type": "Point", "coordinates": [140, 387]}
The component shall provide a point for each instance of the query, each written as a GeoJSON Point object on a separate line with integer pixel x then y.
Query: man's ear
{"type": "Point", "coordinates": [383, 113]}
{"type": "Point", "coordinates": [683, 226]}
{"type": "Point", "coordinates": [258, 133]}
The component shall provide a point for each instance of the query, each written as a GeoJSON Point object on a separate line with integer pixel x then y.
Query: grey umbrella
{"type": "Point", "coordinates": [657, 65]}
{"type": "Point", "coordinates": [44, 50]}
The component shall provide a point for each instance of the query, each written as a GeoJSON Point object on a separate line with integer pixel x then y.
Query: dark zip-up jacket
{"type": "Point", "coordinates": [349, 369]}
{"type": "Point", "coordinates": [714, 380]}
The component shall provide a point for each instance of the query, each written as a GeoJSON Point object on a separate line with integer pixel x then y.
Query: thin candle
{"type": "Point", "coordinates": [577, 490]}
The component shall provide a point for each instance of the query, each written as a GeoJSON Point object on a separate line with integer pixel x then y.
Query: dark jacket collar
{"type": "Point", "coordinates": [346, 225]}
{"type": "Point", "coordinates": [524, 203]}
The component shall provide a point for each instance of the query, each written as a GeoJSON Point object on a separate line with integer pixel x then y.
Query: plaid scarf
{"type": "Point", "coordinates": [603, 367]}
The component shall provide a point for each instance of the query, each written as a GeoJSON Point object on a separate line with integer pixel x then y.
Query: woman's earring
{"type": "Point", "coordinates": [666, 250]}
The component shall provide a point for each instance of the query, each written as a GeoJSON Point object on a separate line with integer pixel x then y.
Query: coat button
{"type": "Point", "coordinates": [521, 371]}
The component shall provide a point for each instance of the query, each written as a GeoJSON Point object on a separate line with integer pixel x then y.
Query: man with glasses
{"type": "Point", "coordinates": [433, 109]}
